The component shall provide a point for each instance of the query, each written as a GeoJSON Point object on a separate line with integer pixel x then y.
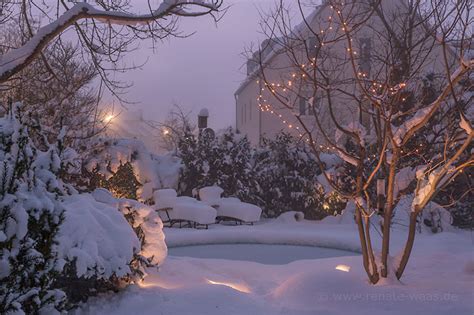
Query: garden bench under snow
{"type": "Point", "coordinates": [178, 210]}
{"type": "Point", "coordinates": [229, 208]}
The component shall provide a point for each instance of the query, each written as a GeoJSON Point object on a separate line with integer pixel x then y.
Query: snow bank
{"type": "Point", "coordinates": [435, 284]}
{"type": "Point", "coordinates": [346, 217]}
{"type": "Point", "coordinates": [290, 217]}
{"type": "Point", "coordinates": [96, 238]}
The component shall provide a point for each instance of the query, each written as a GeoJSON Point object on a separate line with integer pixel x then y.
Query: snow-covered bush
{"type": "Point", "coordinates": [30, 218]}
{"type": "Point", "coordinates": [106, 243]}
{"type": "Point", "coordinates": [128, 169]}
{"type": "Point", "coordinates": [147, 226]}
{"type": "Point", "coordinates": [225, 161]}
{"type": "Point", "coordinates": [280, 176]}
{"type": "Point", "coordinates": [287, 174]}
{"type": "Point", "coordinates": [58, 246]}
{"type": "Point", "coordinates": [96, 246]}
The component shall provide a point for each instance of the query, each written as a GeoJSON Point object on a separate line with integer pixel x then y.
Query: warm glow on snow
{"type": "Point", "coordinates": [158, 284]}
{"type": "Point", "coordinates": [344, 268]}
{"type": "Point", "coordinates": [236, 286]}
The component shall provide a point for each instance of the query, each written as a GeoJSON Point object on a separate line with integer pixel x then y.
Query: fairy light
{"type": "Point", "coordinates": [377, 88]}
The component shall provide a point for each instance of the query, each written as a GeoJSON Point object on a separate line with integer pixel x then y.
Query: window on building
{"type": "Point", "coordinates": [303, 105]}
{"type": "Point", "coordinates": [311, 47]}
{"type": "Point", "coordinates": [365, 55]}
{"type": "Point", "coordinates": [364, 116]}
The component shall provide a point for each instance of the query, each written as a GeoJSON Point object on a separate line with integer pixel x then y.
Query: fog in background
{"type": "Point", "coordinates": [203, 70]}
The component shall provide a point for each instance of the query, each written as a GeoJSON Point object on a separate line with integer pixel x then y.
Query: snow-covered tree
{"type": "Point", "coordinates": [176, 125]}
{"type": "Point", "coordinates": [30, 217]}
{"type": "Point", "coordinates": [386, 84]}
{"type": "Point", "coordinates": [225, 161]}
{"type": "Point", "coordinates": [106, 30]}
{"type": "Point", "coordinates": [287, 172]}
{"type": "Point", "coordinates": [63, 99]}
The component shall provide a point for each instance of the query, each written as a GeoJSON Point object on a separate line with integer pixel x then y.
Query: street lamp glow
{"type": "Point", "coordinates": [109, 118]}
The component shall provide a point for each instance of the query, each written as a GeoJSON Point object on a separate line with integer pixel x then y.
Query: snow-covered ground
{"type": "Point", "coordinates": [439, 278]}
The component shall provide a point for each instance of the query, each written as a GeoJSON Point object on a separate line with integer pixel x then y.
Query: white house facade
{"type": "Point", "coordinates": [259, 113]}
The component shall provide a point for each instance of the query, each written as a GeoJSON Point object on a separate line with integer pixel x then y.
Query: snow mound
{"type": "Point", "coordinates": [290, 217]}
{"type": "Point", "coordinates": [346, 217]}
{"type": "Point", "coordinates": [96, 238]}
{"type": "Point", "coordinates": [312, 290]}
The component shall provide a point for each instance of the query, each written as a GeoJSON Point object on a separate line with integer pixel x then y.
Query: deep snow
{"type": "Point", "coordinates": [439, 278]}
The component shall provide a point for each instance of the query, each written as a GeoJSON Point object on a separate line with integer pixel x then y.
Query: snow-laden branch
{"type": "Point", "coordinates": [17, 59]}
{"type": "Point", "coordinates": [411, 126]}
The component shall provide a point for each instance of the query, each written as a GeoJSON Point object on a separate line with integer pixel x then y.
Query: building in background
{"type": "Point", "coordinates": [258, 112]}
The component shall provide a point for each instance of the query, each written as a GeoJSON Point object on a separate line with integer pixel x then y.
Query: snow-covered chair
{"type": "Point", "coordinates": [181, 210]}
{"type": "Point", "coordinates": [230, 209]}
{"type": "Point", "coordinates": [211, 195]}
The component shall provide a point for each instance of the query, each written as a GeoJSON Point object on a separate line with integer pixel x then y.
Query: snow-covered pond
{"type": "Point", "coordinates": [260, 253]}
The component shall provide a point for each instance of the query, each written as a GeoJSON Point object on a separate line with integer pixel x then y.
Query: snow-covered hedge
{"type": "Point", "coordinates": [279, 176]}
{"type": "Point", "coordinates": [52, 238]}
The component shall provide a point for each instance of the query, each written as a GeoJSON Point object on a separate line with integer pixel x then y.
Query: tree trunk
{"type": "Point", "coordinates": [408, 245]}
{"type": "Point", "coordinates": [388, 213]}
{"type": "Point", "coordinates": [373, 277]}
{"type": "Point", "coordinates": [370, 250]}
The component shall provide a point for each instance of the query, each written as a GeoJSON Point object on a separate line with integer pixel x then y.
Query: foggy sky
{"type": "Point", "coordinates": [203, 70]}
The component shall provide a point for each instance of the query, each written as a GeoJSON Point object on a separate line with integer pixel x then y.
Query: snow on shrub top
{"type": "Point", "coordinates": [144, 219]}
{"type": "Point", "coordinates": [96, 237]}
